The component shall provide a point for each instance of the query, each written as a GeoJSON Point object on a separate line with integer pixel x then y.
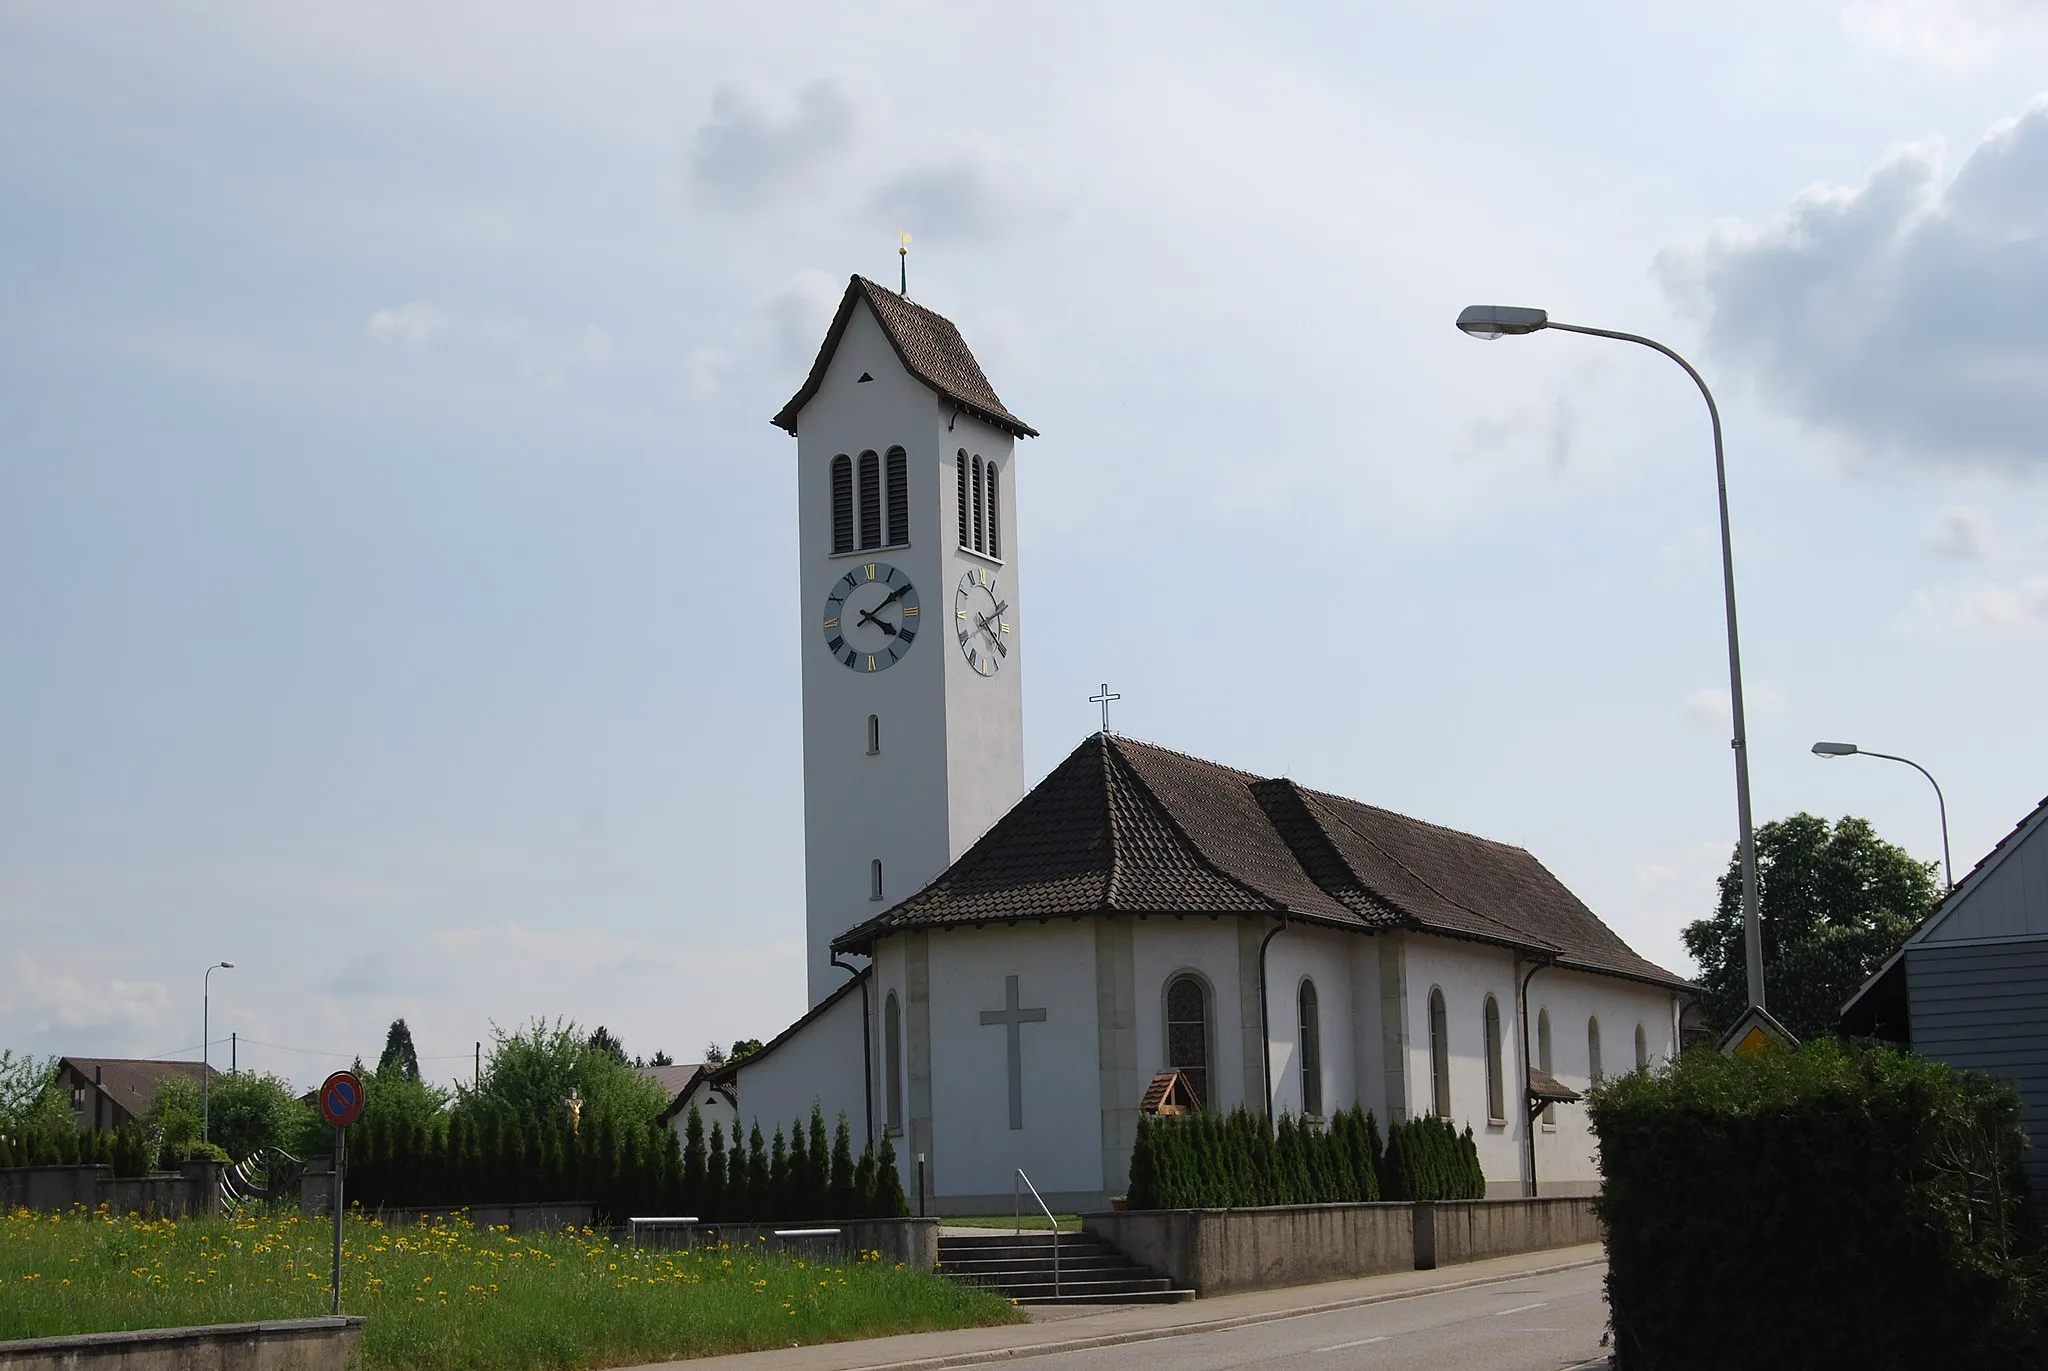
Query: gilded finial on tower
{"type": "Point", "coordinates": [902, 262]}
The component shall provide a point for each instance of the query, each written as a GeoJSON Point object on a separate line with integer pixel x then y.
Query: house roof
{"type": "Point", "coordinates": [1549, 1089]}
{"type": "Point", "coordinates": [1127, 828]}
{"type": "Point", "coordinates": [674, 1078]}
{"type": "Point", "coordinates": [1879, 1008]}
{"type": "Point", "coordinates": [729, 1073]}
{"type": "Point", "coordinates": [130, 1082]}
{"type": "Point", "coordinates": [928, 345]}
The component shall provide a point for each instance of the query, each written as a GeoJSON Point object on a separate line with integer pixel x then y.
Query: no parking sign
{"type": "Point", "coordinates": [341, 1098]}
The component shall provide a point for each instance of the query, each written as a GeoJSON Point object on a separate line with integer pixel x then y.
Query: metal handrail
{"type": "Point", "coordinates": [1017, 1195]}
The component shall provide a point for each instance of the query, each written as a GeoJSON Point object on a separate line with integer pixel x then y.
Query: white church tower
{"type": "Point", "coordinates": [910, 627]}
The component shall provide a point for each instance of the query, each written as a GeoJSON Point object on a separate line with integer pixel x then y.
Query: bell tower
{"type": "Point", "coordinates": [908, 618]}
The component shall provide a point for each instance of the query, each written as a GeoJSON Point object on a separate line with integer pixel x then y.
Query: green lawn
{"type": "Point", "coordinates": [453, 1297]}
{"type": "Point", "coordinates": [1069, 1223]}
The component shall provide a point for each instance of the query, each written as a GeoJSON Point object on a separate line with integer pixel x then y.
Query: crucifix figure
{"type": "Point", "coordinates": [1013, 1017]}
{"type": "Point", "coordinates": [1103, 699]}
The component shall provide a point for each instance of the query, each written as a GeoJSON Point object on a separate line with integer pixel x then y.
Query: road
{"type": "Point", "coordinates": [1540, 1323]}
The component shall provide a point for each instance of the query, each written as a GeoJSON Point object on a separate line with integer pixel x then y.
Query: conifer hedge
{"type": "Point", "coordinates": [129, 1150]}
{"type": "Point", "coordinates": [460, 1159]}
{"type": "Point", "coordinates": [1240, 1160]}
{"type": "Point", "coordinates": [1833, 1207]}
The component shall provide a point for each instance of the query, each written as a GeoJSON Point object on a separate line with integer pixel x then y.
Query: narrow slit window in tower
{"type": "Point", "coordinates": [874, 734]}
{"type": "Point", "coordinates": [875, 879]}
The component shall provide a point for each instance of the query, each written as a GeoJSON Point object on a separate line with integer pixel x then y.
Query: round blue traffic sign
{"type": "Point", "coordinates": [341, 1098]}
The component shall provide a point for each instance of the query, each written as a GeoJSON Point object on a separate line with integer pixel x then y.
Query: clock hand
{"type": "Point", "coordinates": [867, 616]}
{"type": "Point", "coordinates": [993, 640]}
{"type": "Point", "coordinates": [894, 596]}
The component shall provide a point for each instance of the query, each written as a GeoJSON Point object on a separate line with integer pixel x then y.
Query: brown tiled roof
{"type": "Point", "coordinates": [928, 345]}
{"type": "Point", "coordinates": [1549, 1089]}
{"type": "Point", "coordinates": [130, 1083]}
{"type": "Point", "coordinates": [1122, 827]}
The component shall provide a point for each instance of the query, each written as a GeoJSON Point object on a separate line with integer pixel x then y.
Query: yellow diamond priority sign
{"type": "Point", "coordinates": [1755, 1033]}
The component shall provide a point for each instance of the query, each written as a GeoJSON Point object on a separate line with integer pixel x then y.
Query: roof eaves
{"type": "Point", "coordinates": [730, 1071]}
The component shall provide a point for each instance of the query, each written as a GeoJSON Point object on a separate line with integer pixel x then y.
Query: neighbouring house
{"type": "Point", "coordinates": [690, 1084]}
{"type": "Point", "coordinates": [107, 1092]}
{"type": "Point", "coordinates": [1970, 987]}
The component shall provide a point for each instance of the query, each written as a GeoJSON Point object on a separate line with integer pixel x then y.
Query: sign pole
{"type": "Point", "coordinates": [340, 1162]}
{"type": "Point", "coordinates": [341, 1104]}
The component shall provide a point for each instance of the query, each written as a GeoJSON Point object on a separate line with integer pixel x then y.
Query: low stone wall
{"type": "Point", "coordinates": [1453, 1231]}
{"type": "Point", "coordinates": [194, 1188]}
{"type": "Point", "coordinates": [330, 1344]}
{"type": "Point", "coordinates": [912, 1242]}
{"type": "Point", "coordinates": [1218, 1251]}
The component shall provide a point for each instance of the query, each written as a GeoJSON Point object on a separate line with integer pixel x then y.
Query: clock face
{"type": "Point", "coordinates": [980, 624]}
{"type": "Point", "coordinates": [871, 617]}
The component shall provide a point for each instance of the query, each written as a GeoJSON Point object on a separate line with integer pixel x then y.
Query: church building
{"type": "Point", "coordinates": [996, 976]}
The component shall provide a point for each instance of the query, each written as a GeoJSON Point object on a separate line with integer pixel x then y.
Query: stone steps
{"type": "Point", "coordinates": [1021, 1266]}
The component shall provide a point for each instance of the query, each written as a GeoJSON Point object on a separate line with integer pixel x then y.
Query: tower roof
{"type": "Point", "coordinates": [929, 347]}
{"type": "Point", "coordinates": [1123, 827]}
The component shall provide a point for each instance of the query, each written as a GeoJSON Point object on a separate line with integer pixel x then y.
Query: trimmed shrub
{"type": "Point", "coordinates": [1238, 1160]}
{"type": "Point", "coordinates": [1830, 1208]}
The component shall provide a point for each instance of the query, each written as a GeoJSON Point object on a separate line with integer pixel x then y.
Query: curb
{"type": "Point", "coordinates": [1047, 1349]}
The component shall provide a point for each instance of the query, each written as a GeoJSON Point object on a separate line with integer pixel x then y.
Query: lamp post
{"type": "Point", "coordinates": [205, 1041]}
{"type": "Point", "coordinates": [1495, 321]}
{"type": "Point", "coordinates": [1851, 750]}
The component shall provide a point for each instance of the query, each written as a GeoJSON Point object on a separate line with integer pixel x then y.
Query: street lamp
{"type": "Point", "coordinates": [205, 1041]}
{"type": "Point", "coordinates": [1495, 321]}
{"type": "Point", "coordinates": [1851, 750]}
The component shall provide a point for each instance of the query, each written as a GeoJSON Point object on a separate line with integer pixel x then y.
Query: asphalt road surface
{"type": "Point", "coordinates": [1542, 1323]}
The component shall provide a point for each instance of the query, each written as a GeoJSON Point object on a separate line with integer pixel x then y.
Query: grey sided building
{"type": "Point", "coordinates": [1970, 987]}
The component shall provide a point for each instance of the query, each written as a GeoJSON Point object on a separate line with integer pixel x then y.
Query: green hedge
{"type": "Point", "coordinates": [130, 1150]}
{"type": "Point", "coordinates": [458, 1159]}
{"type": "Point", "coordinates": [1240, 1160]}
{"type": "Point", "coordinates": [1834, 1207]}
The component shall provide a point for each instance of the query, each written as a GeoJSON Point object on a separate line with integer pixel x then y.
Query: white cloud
{"type": "Point", "coordinates": [412, 323]}
{"type": "Point", "coordinates": [1947, 33]}
{"type": "Point", "coordinates": [759, 141]}
{"type": "Point", "coordinates": [1986, 607]}
{"type": "Point", "coordinates": [43, 998]}
{"type": "Point", "coordinates": [1907, 314]}
{"type": "Point", "coordinates": [972, 194]}
{"type": "Point", "coordinates": [1959, 531]}
{"type": "Point", "coordinates": [546, 360]}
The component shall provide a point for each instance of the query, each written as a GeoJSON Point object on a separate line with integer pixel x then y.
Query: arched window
{"type": "Point", "coordinates": [1187, 1032]}
{"type": "Point", "coordinates": [1439, 1055]}
{"type": "Point", "coordinates": [960, 490]}
{"type": "Point", "coordinates": [874, 734]}
{"type": "Point", "coordinates": [842, 503]}
{"type": "Point", "coordinates": [1311, 1049]}
{"type": "Point", "coordinates": [1496, 1087]}
{"type": "Point", "coordinates": [980, 525]}
{"type": "Point", "coordinates": [1543, 1061]}
{"type": "Point", "coordinates": [995, 515]}
{"type": "Point", "coordinates": [875, 879]}
{"type": "Point", "coordinates": [870, 500]}
{"type": "Point", "coordinates": [1642, 1048]}
{"type": "Point", "coordinates": [1593, 1071]}
{"type": "Point", "coordinates": [899, 497]}
{"type": "Point", "coordinates": [892, 1062]}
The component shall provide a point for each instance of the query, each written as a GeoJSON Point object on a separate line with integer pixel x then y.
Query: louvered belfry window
{"type": "Point", "coordinates": [1187, 1033]}
{"type": "Point", "coordinates": [960, 478]}
{"type": "Point", "coordinates": [842, 503]}
{"type": "Point", "coordinates": [899, 496]}
{"type": "Point", "coordinates": [980, 541]}
{"type": "Point", "coordinates": [870, 500]}
{"type": "Point", "coordinates": [995, 516]}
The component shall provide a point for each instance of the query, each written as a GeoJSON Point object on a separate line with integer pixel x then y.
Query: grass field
{"type": "Point", "coordinates": [454, 1297]}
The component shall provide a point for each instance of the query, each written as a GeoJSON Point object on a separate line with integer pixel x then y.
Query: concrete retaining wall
{"type": "Point", "coordinates": [193, 1189]}
{"type": "Point", "coordinates": [1454, 1231]}
{"type": "Point", "coordinates": [1218, 1251]}
{"type": "Point", "coordinates": [331, 1344]}
{"type": "Point", "coordinates": [912, 1242]}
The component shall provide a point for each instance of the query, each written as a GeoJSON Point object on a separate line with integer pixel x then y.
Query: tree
{"type": "Point", "coordinates": [399, 1057]}
{"type": "Point", "coordinates": [531, 1073]}
{"type": "Point", "coordinates": [172, 1118]}
{"type": "Point", "coordinates": [1833, 901]}
{"type": "Point", "coordinates": [742, 1047]}
{"type": "Point", "coordinates": [29, 1097]}
{"type": "Point", "coordinates": [247, 1112]}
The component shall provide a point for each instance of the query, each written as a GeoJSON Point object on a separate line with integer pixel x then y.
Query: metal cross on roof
{"type": "Point", "coordinates": [1103, 699]}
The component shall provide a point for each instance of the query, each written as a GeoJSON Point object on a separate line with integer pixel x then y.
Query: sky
{"type": "Point", "coordinates": [398, 570]}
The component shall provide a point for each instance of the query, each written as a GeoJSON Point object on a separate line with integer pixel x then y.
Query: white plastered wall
{"type": "Point", "coordinates": [1163, 947]}
{"type": "Point", "coordinates": [820, 1062]}
{"type": "Point", "coordinates": [1324, 956]}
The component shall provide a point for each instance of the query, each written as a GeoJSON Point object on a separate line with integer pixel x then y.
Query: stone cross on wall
{"type": "Point", "coordinates": [1013, 1017]}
